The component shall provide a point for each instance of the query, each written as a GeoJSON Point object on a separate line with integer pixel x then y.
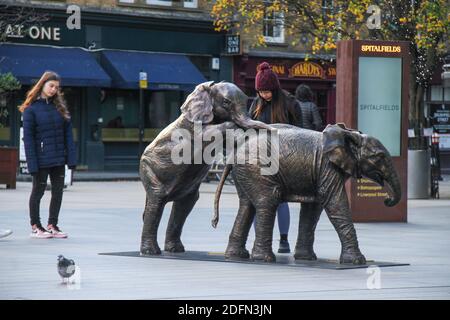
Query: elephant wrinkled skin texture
{"type": "Point", "coordinates": [217, 106]}
{"type": "Point", "coordinates": [313, 168]}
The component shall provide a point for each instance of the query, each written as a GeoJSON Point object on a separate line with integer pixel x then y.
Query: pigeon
{"type": "Point", "coordinates": [66, 267]}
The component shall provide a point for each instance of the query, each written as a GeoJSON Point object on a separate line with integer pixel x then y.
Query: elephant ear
{"type": "Point", "coordinates": [341, 145]}
{"type": "Point", "coordinates": [198, 105]}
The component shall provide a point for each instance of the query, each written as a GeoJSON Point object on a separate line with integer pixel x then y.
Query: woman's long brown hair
{"type": "Point", "coordinates": [280, 103]}
{"type": "Point", "coordinates": [35, 93]}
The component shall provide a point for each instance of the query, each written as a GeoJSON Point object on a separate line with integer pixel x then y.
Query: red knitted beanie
{"type": "Point", "coordinates": [266, 79]}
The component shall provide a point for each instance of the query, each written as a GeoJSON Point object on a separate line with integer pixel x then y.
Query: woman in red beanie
{"type": "Point", "coordinates": [274, 105]}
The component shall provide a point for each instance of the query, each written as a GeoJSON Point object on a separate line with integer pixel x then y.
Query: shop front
{"type": "Point", "coordinates": [78, 70]}
{"type": "Point", "coordinates": [319, 75]}
{"type": "Point", "coordinates": [437, 102]}
{"type": "Point", "coordinates": [100, 64]}
{"type": "Point", "coordinates": [170, 78]}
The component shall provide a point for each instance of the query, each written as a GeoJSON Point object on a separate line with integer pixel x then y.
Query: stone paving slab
{"type": "Point", "coordinates": [107, 217]}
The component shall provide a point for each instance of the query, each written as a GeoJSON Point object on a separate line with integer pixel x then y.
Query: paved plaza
{"type": "Point", "coordinates": [106, 217]}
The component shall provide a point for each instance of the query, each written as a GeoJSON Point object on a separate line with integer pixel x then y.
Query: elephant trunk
{"type": "Point", "coordinates": [246, 122]}
{"type": "Point", "coordinates": [393, 182]}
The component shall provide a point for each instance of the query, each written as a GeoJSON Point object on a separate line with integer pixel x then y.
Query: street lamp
{"type": "Point", "coordinates": [142, 85]}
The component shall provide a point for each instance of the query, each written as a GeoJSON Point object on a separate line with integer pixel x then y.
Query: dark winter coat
{"type": "Point", "coordinates": [310, 116]}
{"type": "Point", "coordinates": [265, 116]}
{"type": "Point", "coordinates": [47, 137]}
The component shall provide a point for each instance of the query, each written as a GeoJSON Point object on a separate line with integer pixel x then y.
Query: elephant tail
{"type": "Point", "coordinates": [226, 172]}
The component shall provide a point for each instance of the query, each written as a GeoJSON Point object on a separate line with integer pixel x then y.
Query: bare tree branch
{"type": "Point", "coordinates": [19, 16]}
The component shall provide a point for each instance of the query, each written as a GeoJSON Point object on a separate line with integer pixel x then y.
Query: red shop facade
{"type": "Point", "coordinates": [319, 75]}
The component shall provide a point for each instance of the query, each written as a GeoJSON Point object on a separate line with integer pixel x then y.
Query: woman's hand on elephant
{"type": "Point", "coordinates": [222, 127]}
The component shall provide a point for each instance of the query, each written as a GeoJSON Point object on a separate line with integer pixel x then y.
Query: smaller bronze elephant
{"type": "Point", "coordinates": [313, 168]}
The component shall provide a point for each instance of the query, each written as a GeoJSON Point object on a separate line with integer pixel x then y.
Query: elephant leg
{"type": "Point", "coordinates": [180, 211]}
{"type": "Point", "coordinates": [154, 208]}
{"type": "Point", "coordinates": [241, 228]}
{"type": "Point", "coordinates": [265, 220]}
{"type": "Point", "coordinates": [338, 212]}
{"type": "Point", "coordinates": [309, 217]}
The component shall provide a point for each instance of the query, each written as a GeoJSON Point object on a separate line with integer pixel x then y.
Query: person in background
{"type": "Point", "coordinates": [275, 105]}
{"type": "Point", "coordinates": [49, 146]}
{"type": "Point", "coordinates": [310, 113]}
{"type": "Point", "coordinates": [115, 123]}
{"type": "Point", "coordinates": [310, 120]}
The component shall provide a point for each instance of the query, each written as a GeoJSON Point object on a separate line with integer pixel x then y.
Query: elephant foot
{"type": "Point", "coordinates": [150, 248]}
{"type": "Point", "coordinates": [266, 256]}
{"type": "Point", "coordinates": [174, 246]}
{"type": "Point", "coordinates": [304, 254]}
{"type": "Point", "coordinates": [236, 252]}
{"type": "Point", "coordinates": [352, 256]}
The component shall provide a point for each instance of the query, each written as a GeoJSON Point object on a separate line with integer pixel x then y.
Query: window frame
{"type": "Point", "coordinates": [158, 3]}
{"type": "Point", "coordinates": [191, 4]}
{"type": "Point", "coordinates": [275, 39]}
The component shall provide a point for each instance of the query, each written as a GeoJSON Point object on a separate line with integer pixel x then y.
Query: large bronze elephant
{"type": "Point", "coordinates": [213, 107]}
{"type": "Point", "coordinates": [313, 168]}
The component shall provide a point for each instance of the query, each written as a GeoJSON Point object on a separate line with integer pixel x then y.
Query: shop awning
{"type": "Point", "coordinates": [76, 66]}
{"type": "Point", "coordinates": [165, 71]}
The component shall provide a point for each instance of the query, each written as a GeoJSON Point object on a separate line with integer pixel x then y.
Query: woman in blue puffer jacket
{"type": "Point", "coordinates": [47, 135]}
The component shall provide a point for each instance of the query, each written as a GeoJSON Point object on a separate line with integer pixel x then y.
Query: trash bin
{"type": "Point", "coordinates": [8, 166]}
{"type": "Point", "coordinates": [419, 174]}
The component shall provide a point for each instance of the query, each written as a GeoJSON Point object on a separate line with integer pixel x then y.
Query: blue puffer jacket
{"type": "Point", "coordinates": [47, 137]}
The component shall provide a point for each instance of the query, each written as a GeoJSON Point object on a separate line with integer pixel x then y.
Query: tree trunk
{"type": "Point", "coordinates": [416, 116]}
{"type": "Point", "coordinates": [416, 105]}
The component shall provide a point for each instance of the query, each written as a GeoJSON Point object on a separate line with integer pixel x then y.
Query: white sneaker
{"type": "Point", "coordinates": [40, 233]}
{"type": "Point", "coordinates": [5, 233]}
{"type": "Point", "coordinates": [56, 232]}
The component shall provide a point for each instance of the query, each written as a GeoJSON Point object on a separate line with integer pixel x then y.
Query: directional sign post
{"type": "Point", "coordinates": [372, 96]}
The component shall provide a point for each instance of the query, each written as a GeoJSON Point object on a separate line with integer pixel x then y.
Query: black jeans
{"type": "Point", "coordinates": [39, 185]}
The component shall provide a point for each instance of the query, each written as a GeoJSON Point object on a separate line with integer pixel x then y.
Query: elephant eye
{"type": "Point", "coordinates": [380, 155]}
{"type": "Point", "coordinates": [226, 103]}
{"type": "Point", "coordinates": [377, 159]}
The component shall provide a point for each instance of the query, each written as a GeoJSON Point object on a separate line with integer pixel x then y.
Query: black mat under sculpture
{"type": "Point", "coordinates": [282, 260]}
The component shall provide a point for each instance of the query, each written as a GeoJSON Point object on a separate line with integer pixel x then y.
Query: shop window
{"type": "Point", "coordinates": [162, 109]}
{"type": "Point", "coordinates": [436, 93]}
{"type": "Point", "coordinates": [120, 114]}
{"type": "Point", "coordinates": [5, 119]}
{"type": "Point", "coordinates": [273, 27]}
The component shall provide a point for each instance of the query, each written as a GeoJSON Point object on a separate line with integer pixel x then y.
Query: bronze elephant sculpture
{"type": "Point", "coordinates": [212, 107]}
{"type": "Point", "coordinates": [313, 169]}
